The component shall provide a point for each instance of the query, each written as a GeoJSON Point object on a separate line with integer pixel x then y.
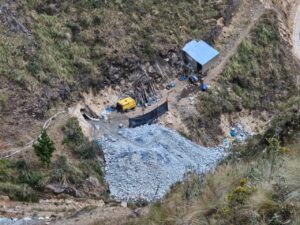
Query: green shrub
{"type": "Point", "coordinates": [87, 150]}
{"type": "Point", "coordinates": [19, 192]}
{"type": "Point", "coordinates": [64, 172]}
{"type": "Point", "coordinates": [44, 148]}
{"type": "Point", "coordinates": [75, 139]}
{"type": "Point", "coordinates": [7, 172]}
{"type": "Point", "coordinates": [33, 178]}
{"type": "Point", "coordinates": [34, 66]}
{"type": "Point", "coordinates": [73, 134]}
{"type": "Point", "coordinates": [287, 123]}
{"type": "Point", "coordinates": [92, 168]}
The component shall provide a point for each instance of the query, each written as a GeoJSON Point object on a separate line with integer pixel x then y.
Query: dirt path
{"type": "Point", "coordinates": [67, 211]}
{"type": "Point", "coordinates": [101, 215]}
{"type": "Point", "coordinates": [239, 29]}
{"type": "Point", "coordinates": [13, 151]}
{"type": "Point", "coordinates": [296, 33]}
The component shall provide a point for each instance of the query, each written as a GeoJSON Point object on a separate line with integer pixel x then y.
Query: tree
{"type": "Point", "coordinates": [43, 148]}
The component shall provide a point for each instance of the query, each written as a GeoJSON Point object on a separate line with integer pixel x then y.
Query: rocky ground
{"type": "Point", "coordinates": [143, 163]}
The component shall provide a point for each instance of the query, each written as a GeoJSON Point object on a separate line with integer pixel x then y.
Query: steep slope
{"type": "Point", "coordinates": [51, 50]}
{"type": "Point", "coordinates": [258, 184]}
{"type": "Point", "coordinates": [261, 75]}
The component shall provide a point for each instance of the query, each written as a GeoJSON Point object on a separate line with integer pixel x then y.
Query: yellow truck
{"type": "Point", "coordinates": [126, 104]}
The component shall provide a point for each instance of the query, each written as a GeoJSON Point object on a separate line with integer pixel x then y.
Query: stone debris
{"type": "Point", "coordinates": [13, 221]}
{"type": "Point", "coordinates": [241, 134]}
{"type": "Point", "coordinates": [144, 162]}
{"type": "Point", "coordinates": [124, 204]}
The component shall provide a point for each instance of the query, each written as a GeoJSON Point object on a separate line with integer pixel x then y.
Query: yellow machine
{"type": "Point", "coordinates": [126, 104]}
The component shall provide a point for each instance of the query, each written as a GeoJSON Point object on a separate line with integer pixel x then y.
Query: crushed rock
{"type": "Point", "coordinates": [143, 163]}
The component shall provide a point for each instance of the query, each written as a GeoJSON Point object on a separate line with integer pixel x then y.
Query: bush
{"type": "Point", "coordinates": [287, 123]}
{"type": "Point", "coordinates": [34, 66]}
{"type": "Point", "coordinates": [92, 168]}
{"type": "Point", "coordinates": [87, 150]}
{"type": "Point", "coordinates": [75, 139]}
{"type": "Point", "coordinates": [240, 193]}
{"type": "Point", "coordinates": [7, 172]}
{"type": "Point", "coordinates": [28, 176]}
{"type": "Point", "coordinates": [64, 172]}
{"type": "Point", "coordinates": [73, 134]}
{"type": "Point", "coordinates": [19, 192]}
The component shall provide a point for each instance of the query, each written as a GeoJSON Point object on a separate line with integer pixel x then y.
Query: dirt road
{"type": "Point", "coordinates": [296, 33]}
{"type": "Point", "coordinates": [14, 151]}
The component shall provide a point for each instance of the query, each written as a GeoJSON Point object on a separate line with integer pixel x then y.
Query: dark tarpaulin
{"type": "Point", "coordinates": [150, 117]}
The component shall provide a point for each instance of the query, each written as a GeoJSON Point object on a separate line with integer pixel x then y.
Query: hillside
{"type": "Point", "coordinates": [53, 50]}
{"type": "Point", "coordinates": [65, 64]}
{"type": "Point", "coordinates": [258, 183]}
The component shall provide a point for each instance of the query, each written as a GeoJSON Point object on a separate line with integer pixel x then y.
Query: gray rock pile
{"type": "Point", "coordinates": [9, 221]}
{"type": "Point", "coordinates": [144, 162]}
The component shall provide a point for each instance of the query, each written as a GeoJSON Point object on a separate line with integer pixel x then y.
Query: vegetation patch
{"type": "Point", "coordinates": [75, 139]}
{"type": "Point", "coordinates": [22, 181]}
{"type": "Point", "coordinates": [260, 76]}
{"type": "Point", "coordinates": [18, 182]}
{"type": "Point", "coordinates": [238, 192]}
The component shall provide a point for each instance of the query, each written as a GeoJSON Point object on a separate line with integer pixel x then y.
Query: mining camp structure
{"type": "Point", "coordinates": [199, 56]}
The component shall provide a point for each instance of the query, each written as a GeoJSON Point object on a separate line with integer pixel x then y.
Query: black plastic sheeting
{"type": "Point", "coordinates": [150, 117]}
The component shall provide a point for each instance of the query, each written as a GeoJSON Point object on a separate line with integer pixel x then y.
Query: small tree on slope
{"type": "Point", "coordinates": [44, 148]}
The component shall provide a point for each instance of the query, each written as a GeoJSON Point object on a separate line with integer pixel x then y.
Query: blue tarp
{"type": "Point", "coordinates": [200, 51]}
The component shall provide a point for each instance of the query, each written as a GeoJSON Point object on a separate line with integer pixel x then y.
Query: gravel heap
{"type": "Point", "coordinates": [25, 221]}
{"type": "Point", "coordinates": [144, 162]}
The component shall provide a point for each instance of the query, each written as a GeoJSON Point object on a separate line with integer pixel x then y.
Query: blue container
{"type": "Point", "coordinates": [193, 79]}
{"type": "Point", "coordinates": [233, 132]}
{"type": "Point", "coordinates": [203, 87]}
{"type": "Point", "coordinates": [182, 77]}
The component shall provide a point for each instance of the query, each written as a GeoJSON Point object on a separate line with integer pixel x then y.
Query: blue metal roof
{"type": "Point", "coordinates": [200, 51]}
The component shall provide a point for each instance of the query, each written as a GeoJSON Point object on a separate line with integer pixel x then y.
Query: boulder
{"type": "Point", "coordinates": [55, 189]}
{"type": "Point", "coordinates": [93, 182]}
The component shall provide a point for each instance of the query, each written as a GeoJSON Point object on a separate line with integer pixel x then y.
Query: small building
{"type": "Point", "coordinates": [199, 55]}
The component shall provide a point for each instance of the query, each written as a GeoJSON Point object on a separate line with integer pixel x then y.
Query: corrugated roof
{"type": "Point", "coordinates": [200, 51]}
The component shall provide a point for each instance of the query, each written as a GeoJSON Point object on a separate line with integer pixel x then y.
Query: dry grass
{"type": "Point", "coordinates": [268, 202]}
